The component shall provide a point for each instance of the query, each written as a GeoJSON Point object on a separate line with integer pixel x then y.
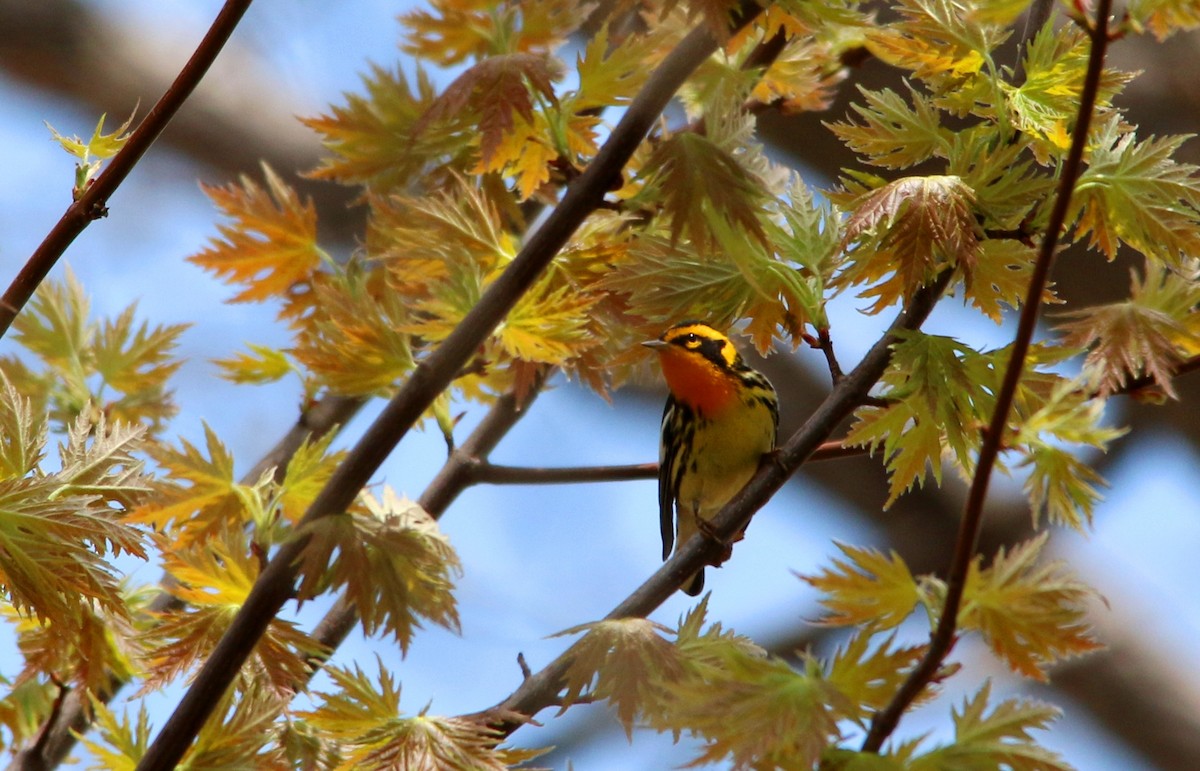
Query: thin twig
{"type": "Point", "coordinates": [542, 688]}
{"type": "Point", "coordinates": [92, 202]}
{"type": "Point", "coordinates": [430, 378]}
{"type": "Point", "coordinates": [944, 635]}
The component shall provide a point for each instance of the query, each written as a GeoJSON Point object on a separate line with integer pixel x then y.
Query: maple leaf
{"type": "Point", "coordinates": [121, 742]}
{"type": "Point", "coordinates": [263, 364]}
{"type": "Point", "coordinates": [493, 94]}
{"type": "Point", "coordinates": [1030, 615]}
{"type": "Point", "coordinates": [892, 134]}
{"type": "Point", "coordinates": [548, 325]}
{"type": "Point", "coordinates": [869, 680]}
{"type": "Point", "coordinates": [94, 151]}
{"type": "Point", "coordinates": [611, 73]}
{"type": "Point", "coordinates": [211, 500]}
{"type": "Point", "coordinates": [756, 712]}
{"type": "Point", "coordinates": [999, 739]}
{"type": "Point", "coordinates": [1062, 486]}
{"type": "Point", "coordinates": [246, 735]}
{"type": "Point", "coordinates": [366, 720]}
{"type": "Point", "coordinates": [867, 588]}
{"type": "Point", "coordinates": [271, 244]}
{"type": "Point", "coordinates": [1136, 193]}
{"type": "Point", "coordinates": [456, 30]}
{"type": "Point", "coordinates": [393, 561]}
{"type": "Point", "coordinates": [373, 136]}
{"type": "Point", "coordinates": [699, 180]}
{"type": "Point", "coordinates": [939, 393]}
{"type": "Point", "coordinates": [1148, 334]}
{"type": "Point", "coordinates": [213, 582]}
{"type": "Point", "coordinates": [802, 78]}
{"type": "Point", "coordinates": [22, 439]}
{"type": "Point", "coordinates": [906, 233]}
{"type": "Point", "coordinates": [622, 661]}
{"type": "Point", "coordinates": [1008, 186]}
{"type": "Point", "coordinates": [1000, 277]}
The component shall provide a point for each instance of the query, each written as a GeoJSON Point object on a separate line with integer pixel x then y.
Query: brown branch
{"type": "Point", "coordinates": [93, 200]}
{"type": "Point", "coordinates": [944, 635]}
{"type": "Point", "coordinates": [430, 378]}
{"type": "Point", "coordinates": [456, 474]}
{"type": "Point", "coordinates": [541, 689]}
{"type": "Point", "coordinates": [58, 733]}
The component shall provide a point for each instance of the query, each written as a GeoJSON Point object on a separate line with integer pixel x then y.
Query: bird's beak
{"type": "Point", "coordinates": [655, 344]}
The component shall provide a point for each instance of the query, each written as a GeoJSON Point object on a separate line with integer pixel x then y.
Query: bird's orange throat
{"type": "Point", "coordinates": [697, 382]}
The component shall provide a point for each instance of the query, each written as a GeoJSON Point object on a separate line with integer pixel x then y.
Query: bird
{"type": "Point", "coordinates": [720, 418]}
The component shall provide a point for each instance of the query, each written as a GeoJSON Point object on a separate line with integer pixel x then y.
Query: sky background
{"type": "Point", "coordinates": [592, 544]}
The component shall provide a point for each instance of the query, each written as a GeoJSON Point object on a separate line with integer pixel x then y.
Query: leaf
{"type": "Point", "coordinates": [1000, 277]}
{"type": "Point", "coordinates": [367, 720]}
{"type": "Point", "coordinates": [939, 394]}
{"type": "Point", "coordinates": [199, 496]}
{"type": "Point", "coordinates": [22, 439]}
{"type": "Point", "coordinates": [1031, 616]}
{"type": "Point", "coordinates": [263, 364]}
{"type": "Point", "coordinates": [999, 739]}
{"type": "Point", "coordinates": [121, 743]}
{"type": "Point", "coordinates": [756, 712]}
{"type": "Point", "coordinates": [892, 134]}
{"type": "Point", "coordinates": [867, 588]}
{"type": "Point", "coordinates": [1135, 193]}
{"type": "Point", "coordinates": [622, 661]}
{"type": "Point", "coordinates": [271, 244]}
{"type": "Point", "coordinates": [393, 562]}
{"type": "Point", "coordinates": [699, 179]}
{"type": "Point", "coordinates": [610, 73]}
{"type": "Point", "coordinates": [454, 30]}
{"type": "Point", "coordinates": [99, 147]}
{"type": "Point", "coordinates": [373, 137]}
{"type": "Point", "coordinates": [1147, 334]}
{"type": "Point", "coordinates": [1162, 18]}
{"type": "Point", "coordinates": [907, 232]}
{"type": "Point", "coordinates": [212, 582]}
{"type": "Point", "coordinates": [870, 680]}
{"type": "Point", "coordinates": [1061, 486]}
{"type": "Point", "coordinates": [492, 94]}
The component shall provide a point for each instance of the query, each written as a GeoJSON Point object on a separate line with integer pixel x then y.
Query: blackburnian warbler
{"type": "Point", "coordinates": [720, 418]}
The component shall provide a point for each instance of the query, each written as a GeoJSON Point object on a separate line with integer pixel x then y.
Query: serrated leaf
{"type": "Point", "coordinates": [22, 439]}
{"type": "Point", "coordinates": [1136, 193]}
{"type": "Point", "coordinates": [213, 582]}
{"type": "Point", "coordinates": [121, 742]}
{"type": "Point", "coordinates": [907, 232]}
{"type": "Point", "coordinates": [868, 588]}
{"type": "Point", "coordinates": [263, 364]}
{"type": "Point", "coordinates": [493, 94]}
{"type": "Point", "coordinates": [699, 179]}
{"type": "Point", "coordinates": [939, 394]}
{"type": "Point", "coordinates": [999, 739]}
{"type": "Point", "coordinates": [199, 496]}
{"type": "Point", "coordinates": [1061, 486]}
{"type": "Point", "coordinates": [868, 678]}
{"type": "Point", "coordinates": [891, 133]}
{"type": "Point", "coordinates": [393, 562]}
{"type": "Point", "coordinates": [1030, 615]}
{"type": "Point", "coordinates": [622, 661]}
{"type": "Point", "coordinates": [374, 733]}
{"type": "Point", "coordinates": [1162, 18]}
{"type": "Point", "coordinates": [269, 246]}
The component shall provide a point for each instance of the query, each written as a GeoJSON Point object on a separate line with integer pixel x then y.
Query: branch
{"type": "Point", "coordinates": [541, 689]}
{"type": "Point", "coordinates": [430, 378]}
{"type": "Point", "coordinates": [58, 733]}
{"type": "Point", "coordinates": [92, 203]}
{"type": "Point", "coordinates": [943, 637]}
{"type": "Point", "coordinates": [456, 474]}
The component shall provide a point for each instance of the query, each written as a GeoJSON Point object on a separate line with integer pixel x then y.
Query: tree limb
{"type": "Point", "coordinates": [944, 635]}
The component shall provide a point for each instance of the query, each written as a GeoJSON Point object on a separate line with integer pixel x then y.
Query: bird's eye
{"type": "Point", "coordinates": [691, 338]}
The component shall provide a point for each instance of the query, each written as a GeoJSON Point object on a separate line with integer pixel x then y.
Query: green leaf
{"type": "Point", "coordinates": [999, 739]}
{"type": "Point", "coordinates": [1030, 615]}
{"type": "Point", "coordinates": [866, 589]}
{"type": "Point", "coordinates": [906, 233]}
{"type": "Point", "coordinates": [868, 678]}
{"type": "Point", "coordinates": [622, 661]}
{"type": "Point", "coordinates": [393, 562]}
{"type": "Point", "coordinates": [892, 134]}
{"type": "Point", "coordinates": [1136, 193]}
{"type": "Point", "coordinates": [700, 180]}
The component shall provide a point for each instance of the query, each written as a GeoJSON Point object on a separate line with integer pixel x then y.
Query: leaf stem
{"type": "Point", "coordinates": [945, 633]}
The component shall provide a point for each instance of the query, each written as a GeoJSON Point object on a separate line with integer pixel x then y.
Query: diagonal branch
{"type": "Point", "coordinates": [91, 204]}
{"type": "Point", "coordinates": [541, 689]}
{"type": "Point", "coordinates": [944, 635]}
{"type": "Point", "coordinates": [430, 378]}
